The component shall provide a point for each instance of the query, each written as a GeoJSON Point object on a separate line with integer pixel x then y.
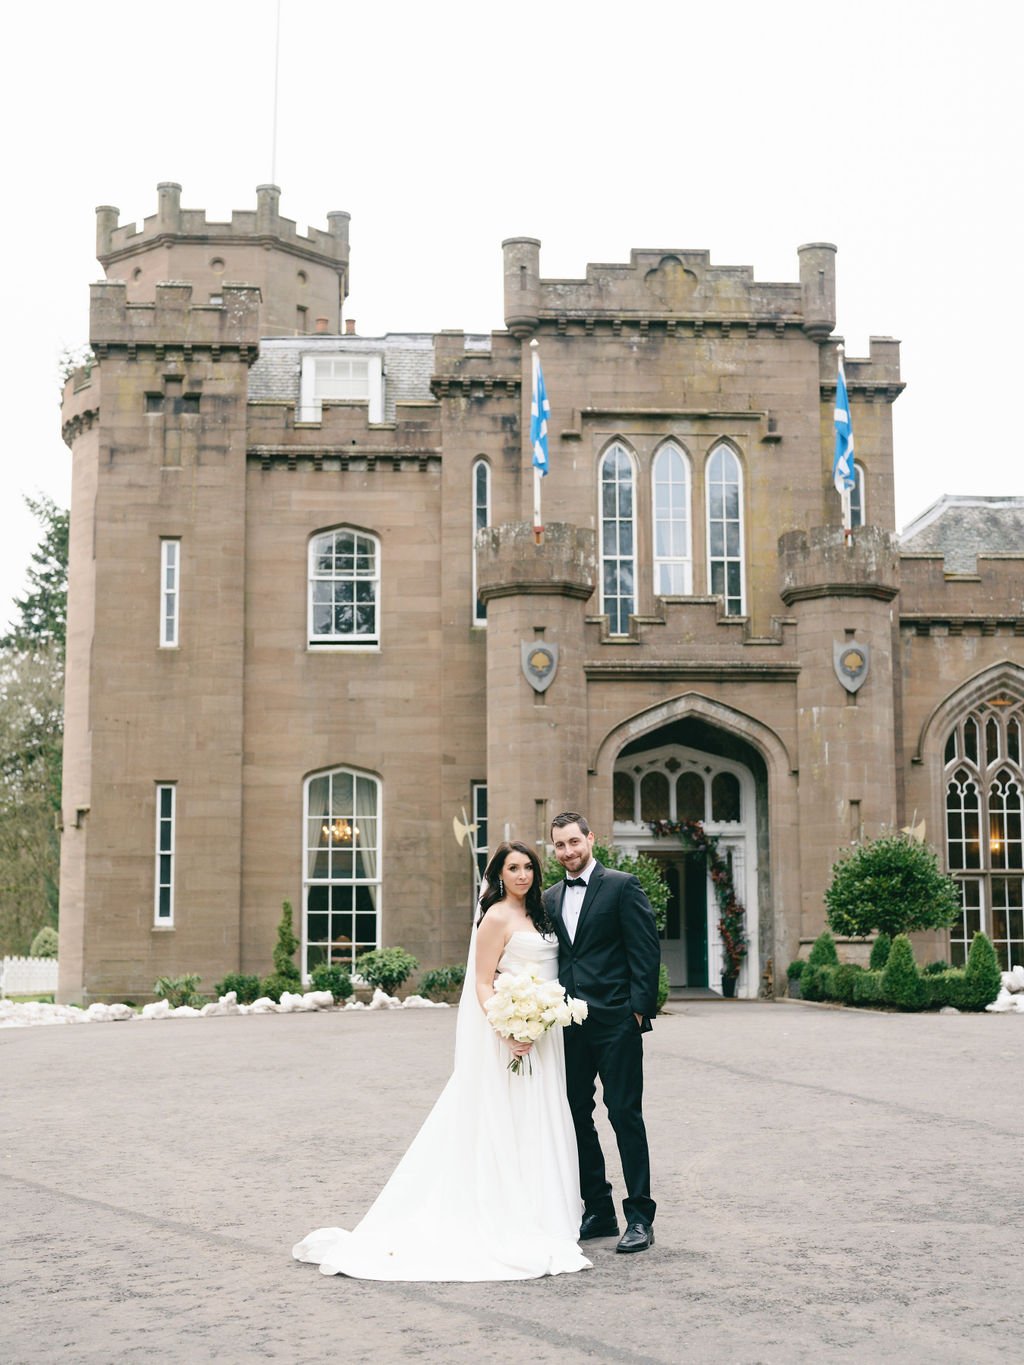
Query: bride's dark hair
{"type": "Point", "coordinates": [493, 890]}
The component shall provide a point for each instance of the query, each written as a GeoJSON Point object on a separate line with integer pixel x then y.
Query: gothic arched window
{"type": "Point", "coordinates": [481, 518]}
{"type": "Point", "coordinates": [724, 482]}
{"type": "Point", "coordinates": [673, 553]}
{"type": "Point", "coordinates": [984, 837]}
{"type": "Point", "coordinates": [618, 540]}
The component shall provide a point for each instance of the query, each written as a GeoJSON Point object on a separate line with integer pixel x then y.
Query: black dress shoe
{"type": "Point", "coordinates": [598, 1225]}
{"type": "Point", "coordinates": [637, 1237]}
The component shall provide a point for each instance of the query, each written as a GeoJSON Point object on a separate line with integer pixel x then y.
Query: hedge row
{"type": "Point", "coordinates": [900, 983]}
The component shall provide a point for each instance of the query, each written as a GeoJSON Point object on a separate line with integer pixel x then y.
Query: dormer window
{"type": "Point", "coordinates": [341, 378]}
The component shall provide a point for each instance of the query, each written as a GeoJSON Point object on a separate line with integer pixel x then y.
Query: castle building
{"type": "Point", "coordinates": [312, 637]}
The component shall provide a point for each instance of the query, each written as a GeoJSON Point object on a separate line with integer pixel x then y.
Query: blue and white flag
{"type": "Point", "coordinates": [540, 410]}
{"type": "Point", "coordinates": [843, 475]}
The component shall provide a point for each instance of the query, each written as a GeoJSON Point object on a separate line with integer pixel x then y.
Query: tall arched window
{"type": "Point", "coordinates": [481, 518]}
{"type": "Point", "coordinates": [673, 555]}
{"type": "Point", "coordinates": [857, 503]}
{"type": "Point", "coordinates": [344, 588]}
{"type": "Point", "coordinates": [618, 539]}
{"type": "Point", "coordinates": [725, 529]}
{"type": "Point", "coordinates": [341, 882]}
{"type": "Point", "coordinates": [984, 835]}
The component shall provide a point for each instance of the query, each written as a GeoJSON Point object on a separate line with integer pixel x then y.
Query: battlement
{"type": "Point", "coordinates": [171, 221]}
{"type": "Point", "coordinates": [876, 376]}
{"type": "Point", "coordinates": [173, 320]}
{"type": "Point", "coordinates": [670, 284]}
{"type": "Point", "coordinates": [824, 562]}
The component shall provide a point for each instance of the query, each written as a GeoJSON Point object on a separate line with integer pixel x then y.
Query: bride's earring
{"type": "Point", "coordinates": [501, 888]}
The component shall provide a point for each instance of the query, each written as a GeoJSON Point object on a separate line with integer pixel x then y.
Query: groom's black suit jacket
{"type": "Point", "coordinates": [613, 961]}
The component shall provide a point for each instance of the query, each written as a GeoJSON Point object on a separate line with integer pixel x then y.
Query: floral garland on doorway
{"type": "Point", "coordinates": [732, 922]}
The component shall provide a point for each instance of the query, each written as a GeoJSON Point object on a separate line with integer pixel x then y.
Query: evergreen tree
{"type": "Point", "coordinates": [42, 612]}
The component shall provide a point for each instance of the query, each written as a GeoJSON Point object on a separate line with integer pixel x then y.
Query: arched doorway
{"type": "Point", "coordinates": [690, 770]}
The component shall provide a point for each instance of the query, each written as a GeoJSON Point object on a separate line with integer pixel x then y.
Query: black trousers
{"type": "Point", "coordinates": [610, 1047]}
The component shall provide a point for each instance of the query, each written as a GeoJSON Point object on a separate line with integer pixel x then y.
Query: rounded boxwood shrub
{"type": "Point", "coordinates": [812, 983]}
{"type": "Point", "coordinates": [867, 988]}
{"type": "Point", "coordinates": [45, 943]}
{"type": "Point", "coordinates": [902, 983]}
{"type": "Point", "coordinates": [843, 981]}
{"type": "Point", "coordinates": [982, 977]}
{"type": "Point", "coordinates": [328, 977]}
{"type": "Point", "coordinates": [386, 968]}
{"type": "Point", "coordinates": [880, 950]}
{"type": "Point", "coordinates": [796, 969]}
{"type": "Point", "coordinates": [442, 981]}
{"type": "Point", "coordinates": [823, 951]}
{"type": "Point", "coordinates": [274, 986]}
{"type": "Point", "coordinates": [944, 988]}
{"type": "Point", "coordinates": [245, 987]}
{"type": "Point", "coordinates": [892, 884]}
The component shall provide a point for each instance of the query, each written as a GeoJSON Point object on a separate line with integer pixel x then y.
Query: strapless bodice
{"type": "Point", "coordinates": [528, 951]}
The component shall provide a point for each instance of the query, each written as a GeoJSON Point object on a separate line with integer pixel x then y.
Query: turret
{"type": "Point", "coordinates": [522, 284]}
{"type": "Point", "coordinates": [818, 287]}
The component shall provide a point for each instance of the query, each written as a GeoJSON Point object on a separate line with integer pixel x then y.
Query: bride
{"type": "Point", "coordinates": [489, 1188]}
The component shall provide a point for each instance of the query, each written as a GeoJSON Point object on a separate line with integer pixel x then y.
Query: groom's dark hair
{"type": "Point", "coordinates": [570, 817]}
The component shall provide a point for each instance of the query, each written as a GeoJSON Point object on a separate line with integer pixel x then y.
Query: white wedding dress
{"type": "Point", "coordinates": [489, 1188]}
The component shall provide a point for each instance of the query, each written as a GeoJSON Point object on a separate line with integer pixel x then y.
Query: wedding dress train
{"type": "Point", "coordinates": [489, 1188]}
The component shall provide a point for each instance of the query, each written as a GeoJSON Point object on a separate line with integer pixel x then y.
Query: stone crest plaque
{"type": "Point", "coordinates": [540, 664]}
{"type": "Point", "coordinates": [851, 661]}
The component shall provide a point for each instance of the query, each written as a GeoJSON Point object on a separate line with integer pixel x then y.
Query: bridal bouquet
{"type": "Point", "coordinates": [523, 1007]}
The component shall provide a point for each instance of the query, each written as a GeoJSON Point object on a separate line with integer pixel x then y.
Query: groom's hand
{"type": "Point", "coordinates": [639, 1019]}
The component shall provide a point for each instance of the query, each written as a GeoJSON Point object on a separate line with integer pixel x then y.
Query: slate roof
{"type": "Point", "coordinates": [962, 527]}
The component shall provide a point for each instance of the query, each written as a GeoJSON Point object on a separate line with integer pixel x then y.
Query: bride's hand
{"type": "Point", "coordinates": [517, 1049]}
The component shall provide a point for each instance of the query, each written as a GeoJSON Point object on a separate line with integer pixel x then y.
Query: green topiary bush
{"type": "Point", "coordinates": [328, 977]}
{"type": "Point", "coordinates": [880, 950]}
{"type": "Point", "coordinates": [245, 987]}
{"type": "Point", "coordinates": [274, 986]}
{"type": "Point", "coordinates": [842, 982]}
{"type": "Point", "coordinates": [179, 990]}
{"type": "Point", "coordinates": [902, 984]}
{"type": "Point", "coordinates": [982, 977]}
{"type": "Point", "coordinates": [442, 982]}
{"type": "Point", "coordinates": [823, 951]}
{"type": "Point", "coordinates": [663, 986]}
{"type": "Point", "coordinates": [892, 884]}
{"type": "Point", "coordinates": [45, 943]}
{"type": "Point", "coordinates": [386, 968]}
{"type": "Point", "coordinates": [935, 968]}
{"type": "Point", "coordinates": [867, 988]}
{"type": "Point", "coordinates": [284, 951]}
{"type": "Point", "coordinates": [944, 988]}
{"type": "Point", "coordinates": [812, 983]}
{"type": "Point", "coordinates": [796, 969]}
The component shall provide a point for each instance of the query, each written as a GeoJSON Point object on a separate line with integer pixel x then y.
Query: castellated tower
{"type": "Point", "coordinates": [303, 281]}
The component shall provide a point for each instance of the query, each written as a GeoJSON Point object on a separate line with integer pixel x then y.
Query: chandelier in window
{"type": "Point", "coordinates": [339, 831]}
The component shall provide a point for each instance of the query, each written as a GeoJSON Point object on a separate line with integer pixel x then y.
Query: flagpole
{"type": "Point", "coordinates": [538, 523]}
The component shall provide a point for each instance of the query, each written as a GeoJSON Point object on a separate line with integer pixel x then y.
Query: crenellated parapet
{"type": "Point", "coordinates": [989, 601]}
{"type": "Point", "coordinates": [510, 564]}
{"type": "Point", "coordinates": [678, 290]}
{"type": "Point", "coordinates": [824, 562]}
{"type": "Point", "coordinates": [875, 378]}
{"type": "Point", "coordinates": [172, 223]}
{"type": "Point", "coordinates": [174, 321]}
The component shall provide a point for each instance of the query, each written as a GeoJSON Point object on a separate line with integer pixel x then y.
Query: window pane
{"type": "Point", "coordinates": [970, 740]}
{"type": "Point", "coordinates": [690, 797]}
{"type": "Point", "coordinates": [725, 797]}
{"type": "Point", "coordinates": [654, 797]}
{"type": "Point", "coordinates": [623, 797]}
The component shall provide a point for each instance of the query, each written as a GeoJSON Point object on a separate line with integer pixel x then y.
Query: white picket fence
{"type": "Point", "coordinates": [28, 975]}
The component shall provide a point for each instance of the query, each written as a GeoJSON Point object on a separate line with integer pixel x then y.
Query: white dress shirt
{"type": "Point", "coordinates": [572, 901]}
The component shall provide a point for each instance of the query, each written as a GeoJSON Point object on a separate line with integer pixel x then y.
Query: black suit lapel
{"type": "Point", "coordinates": [592, 892]}
{"type": "Point", "coordinates": [555, 912]}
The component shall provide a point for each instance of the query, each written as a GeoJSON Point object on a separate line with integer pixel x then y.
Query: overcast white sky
{"type": "Point", "coordinates": [893, 130]}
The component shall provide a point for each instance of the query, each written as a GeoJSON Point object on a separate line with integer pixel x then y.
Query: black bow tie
{"type": "Point", "coordinates": [575, 881]}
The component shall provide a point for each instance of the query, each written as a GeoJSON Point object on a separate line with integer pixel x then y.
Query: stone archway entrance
{"type": "Point", "coordinates": [690, 770]}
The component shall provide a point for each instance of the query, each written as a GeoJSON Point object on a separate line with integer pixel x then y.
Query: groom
{"type": "Point", "coordinates": [608, 955]}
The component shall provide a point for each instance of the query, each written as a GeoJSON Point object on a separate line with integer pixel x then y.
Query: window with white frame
{"type": "Point", "coordinates": [481, 518]}
{"type": "Point", "coordinates": [344, 588]}
{"type": "Point", "coordinates": [618, 539]}
{"type": "Point", "coordinates": [479, 835]}
{"type": "Point", "coordinates": [984, 834]}
{"type": "Point", "coordinates": [673, 557]}
{"type": "Point", "coordinates": [857, 496]}
{"type": "Point", "coordinates": [342, 870]}
{"type": "Point", "coordinates": [170, 592]}
{"type": "Point", "coordinates": [724, 489]}
{"type": "Point", "coordinates": [163, 900]}
{"type": "Point", "coordinates": [347, 377]}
